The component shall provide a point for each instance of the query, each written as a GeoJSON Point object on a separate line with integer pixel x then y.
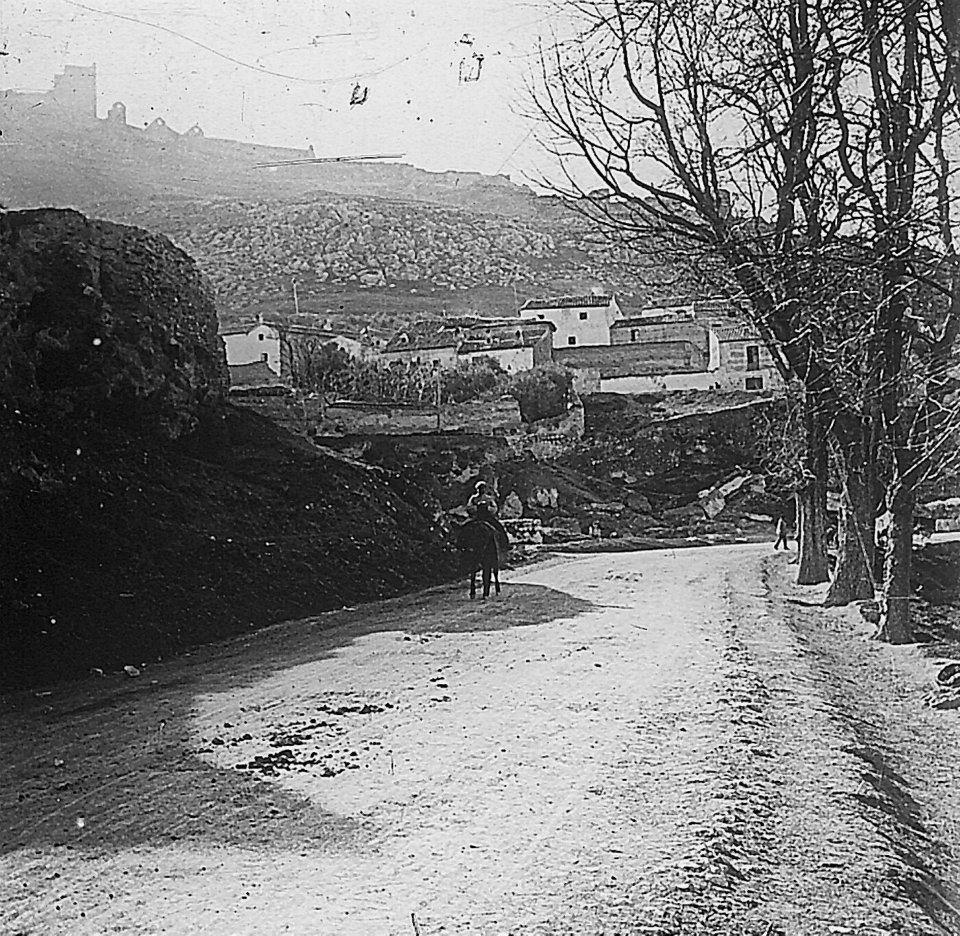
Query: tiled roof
{"type": "Point", "coordinates": [471, 320]}
{"type": "Point", "coordinates": [469, 334]}
{"type": "Point", "coordinates": [620, 361]}
{"type": "Point", "coordinates": [502, 336]}
{"type": "Point", "coordinates": [568, 302]}
{"type": "Point", "coordinates": [650, 369]}
{"type": "Point", "coordinates": [698, 308]}
{"type": "Point", "coordinates": [714, 307]}
{"type": "Point", "coordinates": [304, 328]}
{"type": "Point", "coordinates": [423, 337]}
{"type": "Point", "coordinates": [239, 329]}
{"type": "Point", "coordinates": [255, 374]}
{"type": "Point", "coordinates": [735, 333]}
{"type": "Point", "coordinates": [641, 320]}
{"type": "Point", "coordinates": [289, 328]}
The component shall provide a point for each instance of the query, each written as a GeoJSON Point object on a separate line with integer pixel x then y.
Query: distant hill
{"type": "Point", "coordinates": [97, 163]}
{"type": "Point", "coordinates": [364, 242]}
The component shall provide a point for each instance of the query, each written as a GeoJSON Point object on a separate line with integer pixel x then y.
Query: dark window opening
{"type": "Point", "coordinates": [634, 334]}
{"type": "Point", "coordinates": [753, 357]}
{"type": "Point", "coordinates": [754, 383]}
{"type": "Point", "coordinates": [572, 339]}
{"type": "Point", "coordinates": [264, 356]}
{"type": "Point", "coordinates": [260, 336]}
{"type": "Point", "coordinates": [583, 316]}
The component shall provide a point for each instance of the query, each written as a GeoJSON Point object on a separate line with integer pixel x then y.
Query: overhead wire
{"type": "Point", "coordinates": [339, 79]}
{"type": "Point", "coordinates": [260, 70]}
{"type": "Point", "coordinates": [514, 151]}
{"type": "Point", "coordinates": [314, 43]}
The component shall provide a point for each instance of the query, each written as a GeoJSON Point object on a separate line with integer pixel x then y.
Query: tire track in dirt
{"type": "Point", "coordinates": [789, 848]}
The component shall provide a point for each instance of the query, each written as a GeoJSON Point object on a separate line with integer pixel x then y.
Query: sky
{"type": "Point", "coordinates": [209, 62]}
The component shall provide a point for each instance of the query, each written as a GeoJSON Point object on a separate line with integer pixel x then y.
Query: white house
{"type": "Point", "coordinates": [577, 320]}
{"type": "Point", "coordinates": [741, 360]}
{"type": "Point", "coordinates": [248, 344]}
{"type": "Point", "coordinates": [427, 343]}
{"type": "Point", "coordinates": [516, 345]}
{"type": "Point", "coordinates": [676, 346]}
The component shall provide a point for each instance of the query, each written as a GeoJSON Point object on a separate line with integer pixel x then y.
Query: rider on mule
{"type": "Point", "coordinates": [483, 507]}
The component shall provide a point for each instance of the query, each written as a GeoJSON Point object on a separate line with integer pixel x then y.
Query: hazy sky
{"type": "Point", "coordinates": [407, 51]}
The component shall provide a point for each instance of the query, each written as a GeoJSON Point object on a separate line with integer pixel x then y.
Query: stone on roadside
{"type": "Point", "coordinates": [512, 508]}
{"type": "Point", "coordinates": [944, 701]}
{"type": "Point", "coordinates": [543, 497]}
{"type": "Point", "coordinates": [638, 503]}
{"type": "Point", "coordinates": [949, 675]}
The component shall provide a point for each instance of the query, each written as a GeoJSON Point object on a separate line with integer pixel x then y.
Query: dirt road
{"type": "Point", "coordinates": [619, 743]}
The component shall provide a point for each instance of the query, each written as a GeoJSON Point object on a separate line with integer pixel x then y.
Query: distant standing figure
{"type": "Point", "coordinates": [783, 534]}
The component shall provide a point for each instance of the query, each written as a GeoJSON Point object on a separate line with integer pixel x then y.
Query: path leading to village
{"type": "Point", "coordinates": [620, 743]}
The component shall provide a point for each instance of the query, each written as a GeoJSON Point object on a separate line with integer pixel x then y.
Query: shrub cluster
{"type": "Point", "coordinates": [325, 368]}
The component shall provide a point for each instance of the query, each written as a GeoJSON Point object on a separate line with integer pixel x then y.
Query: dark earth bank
{"type": "Point", "coordinates": [146, 552]}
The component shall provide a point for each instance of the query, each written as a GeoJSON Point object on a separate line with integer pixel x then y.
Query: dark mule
{"type": "Point", "coordinates": [477, 541]}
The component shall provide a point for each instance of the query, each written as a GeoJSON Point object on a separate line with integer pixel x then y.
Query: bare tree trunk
{"type": "Point", "coordinates": [814, 566]}
{"type": "Point", "coordinates": [895, 621]}
{"type": "Point", "coordinates": [853, 575]}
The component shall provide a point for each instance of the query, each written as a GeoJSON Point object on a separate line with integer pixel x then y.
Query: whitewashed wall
{"type": "Point", "coordinates": [251, 346]}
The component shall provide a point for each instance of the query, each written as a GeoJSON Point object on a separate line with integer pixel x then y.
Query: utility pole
{"type": "Point", "coordinates": [296, 300]}
{"type": "Point", "coordinates": [437, 372]}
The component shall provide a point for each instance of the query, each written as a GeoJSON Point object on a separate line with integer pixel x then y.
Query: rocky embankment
{"type": "Point", "coordinates": [142, 514]}
{"type": "Point", "coordinates": [634, 480]}
{"type": "Point", "coordinates": [105, 325]}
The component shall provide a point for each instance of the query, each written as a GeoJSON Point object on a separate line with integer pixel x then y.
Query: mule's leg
{"type": "Point", "coordinates": [486, 581]}
{"type": "Point", "coordinates": [473, 584]}
{"type": "Point", "coordinates": [496, 577]}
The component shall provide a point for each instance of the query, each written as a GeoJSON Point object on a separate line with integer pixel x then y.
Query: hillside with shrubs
{"type": "Point", "coordinates": [252, 251]}
{"type": "Point", "coordinates": [363, 241]}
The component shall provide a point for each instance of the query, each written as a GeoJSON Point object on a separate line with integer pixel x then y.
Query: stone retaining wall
{"type": "Point", "coordinates": [547, 438]}
{"type": "Point", "coordinates": [486, 417]}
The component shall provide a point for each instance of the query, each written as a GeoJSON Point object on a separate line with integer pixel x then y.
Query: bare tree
{"type": "Point", "coordinates": [679, 108]}
{"type": "Point", "coordinates": [893, 94]}
{"type": "Point", "coordinates": [795, 141]}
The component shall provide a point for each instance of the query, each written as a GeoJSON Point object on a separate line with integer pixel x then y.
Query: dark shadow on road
{"type": "Point", "coordinates": [122, 752]}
